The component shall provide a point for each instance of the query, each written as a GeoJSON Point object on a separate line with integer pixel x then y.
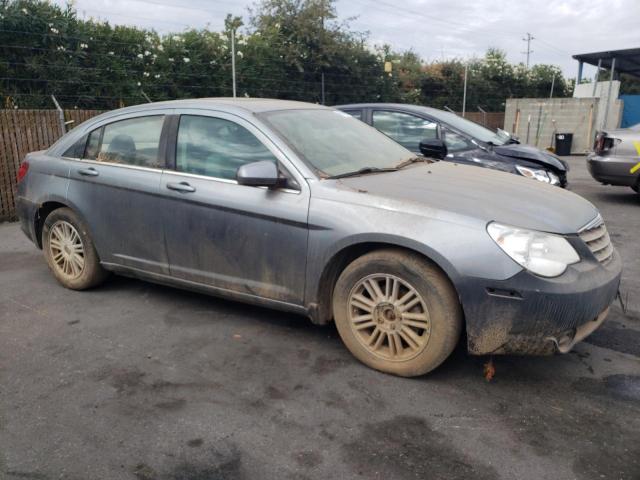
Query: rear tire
{"type": "Point", "coordinates": [397, 312]}
{"type": "Point", "coordinates": [69, 251]}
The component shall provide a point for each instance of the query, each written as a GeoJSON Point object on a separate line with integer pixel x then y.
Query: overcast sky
{"type": "Point", "coordinates": [433, 28]}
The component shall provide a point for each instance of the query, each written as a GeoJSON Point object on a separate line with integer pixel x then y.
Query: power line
{"type": "Point", "coordinates": [484, 31]}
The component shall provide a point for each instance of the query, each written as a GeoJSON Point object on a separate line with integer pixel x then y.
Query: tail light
{"type": "Point", "coordinates": [22, 171]}
{"type": "Point", "coordinates": [604, 142]}
{"type": "Point", "coordinates": [599, 144]}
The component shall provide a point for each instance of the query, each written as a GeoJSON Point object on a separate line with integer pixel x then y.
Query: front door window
{"type": "Point", "coordinates": [406, 129]}
{"type": "Point", "coordinates": [216, 147]}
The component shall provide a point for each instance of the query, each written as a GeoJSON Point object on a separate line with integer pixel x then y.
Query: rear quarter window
{"type": "Point", "coordinates": [77, 149]}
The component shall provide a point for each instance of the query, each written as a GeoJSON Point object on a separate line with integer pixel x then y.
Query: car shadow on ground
{"type": "Point", "coordinates": [197, 309]}
{"type": "Point", "coordinates": [617, 197]}
{"type": "Point", "coordinates": [218, 306]}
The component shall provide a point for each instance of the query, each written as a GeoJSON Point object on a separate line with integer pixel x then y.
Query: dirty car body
{"type": "Point", "coordinates": [467, 142]}
{"type": "Point", "coordinates": [284, 246]}
{"type": "Point", "coordinates": [616, 156]}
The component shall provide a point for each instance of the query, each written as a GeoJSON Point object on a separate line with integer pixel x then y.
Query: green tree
{"type": "Point", "coordinates": [287, 49]}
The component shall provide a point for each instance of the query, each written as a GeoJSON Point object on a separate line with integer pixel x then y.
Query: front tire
{"type": "Point", "coordinates": [69, 251]}
{"type": "Point", "coordinates": [397, 312]}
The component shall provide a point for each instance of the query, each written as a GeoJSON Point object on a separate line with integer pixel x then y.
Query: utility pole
{"type": "Point", "coordinates": [464, 93]}
{"type": "Point", "coordinates": [553, 81]}
{"type": "Point", "coordinates": [233, 59]}
{"type": "Point", "coordinates": [322, 53]}
{"type": "Point", "coordinates": [529, 51]}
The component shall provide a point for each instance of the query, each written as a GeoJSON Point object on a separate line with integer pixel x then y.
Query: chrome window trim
{"type": "Point", "coordinates": [173, 172]}
{"type": "Point", "coordinates": [224, 180]}
{"type": "Point", "coordinates": [112, 164]}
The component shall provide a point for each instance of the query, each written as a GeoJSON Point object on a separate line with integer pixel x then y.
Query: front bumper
{"type": "Point", "coordinates": [530, 315]}
{"type": "Point", "coordinates": [613, 170]}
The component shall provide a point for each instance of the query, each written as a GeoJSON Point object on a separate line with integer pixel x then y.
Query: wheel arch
{"type": "Point", "coordinates": [44, 210]}
{"type": "Point", "coordinates": [320, 305]}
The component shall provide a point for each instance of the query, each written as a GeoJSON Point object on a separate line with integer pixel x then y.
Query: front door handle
{"type": "Point", "coordinates": [89, 172]}
{"type": "Point", "coordinates": [182, 187]}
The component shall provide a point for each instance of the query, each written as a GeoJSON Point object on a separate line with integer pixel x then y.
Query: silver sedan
{"type": "Point", "coordinates": [306, 209]}
{"type": "Point", "coordinates": [616, 157]}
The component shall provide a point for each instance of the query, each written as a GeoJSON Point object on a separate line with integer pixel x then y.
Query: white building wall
{"type": "Point", "coordinates": [535, 120]}
{"type": "Point", "coordinates": [585, 90]}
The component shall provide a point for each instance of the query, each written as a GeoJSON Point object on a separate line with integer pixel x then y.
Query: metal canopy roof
{"type": "Point", "coordinates": [627, 61]}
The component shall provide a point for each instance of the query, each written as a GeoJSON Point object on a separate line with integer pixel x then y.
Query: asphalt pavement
{"type": "Point", "coordinates": [144, 382]}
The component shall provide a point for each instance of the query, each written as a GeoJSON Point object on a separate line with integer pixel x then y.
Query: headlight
{"type": "Point", "coordinates": [540, 175]}
{"type": "Point", "coordinates": [553, 178]}
{"type": "Point", "coordinates": [541, 253]}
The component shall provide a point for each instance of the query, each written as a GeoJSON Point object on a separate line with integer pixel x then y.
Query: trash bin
{"type": "Point", "coordinates": [563, 143]}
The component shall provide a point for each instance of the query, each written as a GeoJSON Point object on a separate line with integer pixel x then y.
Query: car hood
{"type": "Point", "coordinates": [531, 154]}
{"type": "Point", "coordinates": [479, 193]}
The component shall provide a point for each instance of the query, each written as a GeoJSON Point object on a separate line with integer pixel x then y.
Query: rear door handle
{"type": "Point", "coordinates": [182, 187]}
{"type": "Point", "coordinates": [89, 172]}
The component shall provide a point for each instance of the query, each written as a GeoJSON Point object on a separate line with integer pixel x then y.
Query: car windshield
{"type": "Point", "coordinates": [475, 131]}
{"type": "Point", "coordinates": [334, 143]}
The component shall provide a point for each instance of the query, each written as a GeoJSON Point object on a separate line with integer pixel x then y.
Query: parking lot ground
{"type": "Point", "coordinates": [139, 381]}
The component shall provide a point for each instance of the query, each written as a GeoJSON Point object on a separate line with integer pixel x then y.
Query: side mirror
{"type": "Point", "coordinates": [434, 148]}
{"type": "Point", "coordinates": [259, 174]}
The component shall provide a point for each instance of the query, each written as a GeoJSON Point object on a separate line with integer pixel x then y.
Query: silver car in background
{"type": "Point", "coordinates": [616, 157]}
{"type": "Point", "coordinates": [306, 209]}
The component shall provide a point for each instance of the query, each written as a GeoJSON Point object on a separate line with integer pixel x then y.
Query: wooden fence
{"type": "Point", "coordinates": [491, 120]}
{"type": "Point", "coordinates": [24, 131]}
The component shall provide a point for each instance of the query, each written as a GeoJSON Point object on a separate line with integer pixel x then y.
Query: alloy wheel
{"type": "Point", "coordinates": [389, 317]}
{"type": "Point", "coordinates": [66, 249]}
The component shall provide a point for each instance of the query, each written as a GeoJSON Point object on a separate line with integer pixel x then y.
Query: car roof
{"type": "Point", "coordinates": [396, 106]}
{"type": "Point", "coordinates": [238, 106]}
{"type": "Point", "coordinates": [250, 105]}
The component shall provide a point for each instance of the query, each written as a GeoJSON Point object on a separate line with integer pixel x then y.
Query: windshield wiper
{"type": "Point", "coordinates": [363, 171]}
{"type": "Point", "coordinates": [412, 160]}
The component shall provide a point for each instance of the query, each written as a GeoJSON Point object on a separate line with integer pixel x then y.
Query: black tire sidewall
{"type": "Point", "coordinates": [93, 273]}
{"type": "Point", "coordinates": [437, 292]}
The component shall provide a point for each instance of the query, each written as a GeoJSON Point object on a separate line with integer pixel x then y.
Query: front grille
{"type": "Point", "coordinates": [596, 237]}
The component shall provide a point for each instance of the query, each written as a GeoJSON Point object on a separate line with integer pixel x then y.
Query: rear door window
{"type": "Point", "coordinates": [406, 129]}
{"type": "Point", "coordinates": [135, 141]}
{"type": "Point", "coordinates": [216, 147]}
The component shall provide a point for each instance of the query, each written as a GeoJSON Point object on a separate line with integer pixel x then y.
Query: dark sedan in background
{"type": "Point", "coordinates": [447, 136]}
